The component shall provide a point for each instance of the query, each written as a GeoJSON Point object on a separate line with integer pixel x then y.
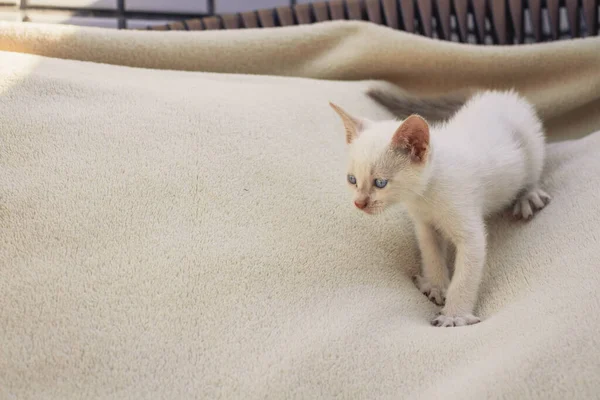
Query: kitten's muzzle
{"type": "Point", "coordinates": [361, 204]}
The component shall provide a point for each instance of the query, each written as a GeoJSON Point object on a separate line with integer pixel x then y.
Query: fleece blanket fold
{"type": "Point", "coordinates": [174, 223]}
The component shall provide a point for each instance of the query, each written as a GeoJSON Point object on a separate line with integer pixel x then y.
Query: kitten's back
{"type": "Point", "coordinates": [499, 142]}
{"type": "Point", "coordinates": [498, 117]}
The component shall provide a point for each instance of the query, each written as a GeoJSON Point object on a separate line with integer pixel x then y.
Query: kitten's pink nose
{"type": "Point", "coordinates": [360, 204]}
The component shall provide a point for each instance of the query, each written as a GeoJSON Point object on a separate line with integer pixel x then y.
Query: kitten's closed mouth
{"type": "Point", "coordinates": [372, 210]}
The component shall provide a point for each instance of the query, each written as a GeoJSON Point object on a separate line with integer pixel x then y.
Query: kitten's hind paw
{"type": "Point", "coordinates": [435, 293]}
{"type": "Point", "coordinates": [455, 320]}
{"type": "Point", "coordinates": [530, 202]}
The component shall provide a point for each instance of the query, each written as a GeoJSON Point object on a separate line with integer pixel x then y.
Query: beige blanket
{"type": "Point", "coordinates": [171, 234]}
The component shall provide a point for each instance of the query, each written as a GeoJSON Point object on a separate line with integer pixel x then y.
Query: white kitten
{"type": "Point", "coordinates": [450, 177]}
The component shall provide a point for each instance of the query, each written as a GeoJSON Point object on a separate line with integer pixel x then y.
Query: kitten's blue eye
{"type": "Point", "coordinates": [380, 183]}
{"type": "Point", "coordinates": [352, 179]}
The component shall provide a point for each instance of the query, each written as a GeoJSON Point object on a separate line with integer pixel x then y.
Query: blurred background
{"type": "Point", "coordinates": [562, 22]}
{"type": "Point", "coordinates": [126, 13]}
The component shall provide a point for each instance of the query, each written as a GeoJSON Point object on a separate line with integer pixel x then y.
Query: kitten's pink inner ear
{"type": "Point", "coordinates": [413, 136]}
{"type": "Point", "coordinates": [352, 125]}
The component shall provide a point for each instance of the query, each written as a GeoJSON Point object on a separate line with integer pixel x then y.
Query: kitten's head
{"type": "Point", "coordinates": [387, 160]}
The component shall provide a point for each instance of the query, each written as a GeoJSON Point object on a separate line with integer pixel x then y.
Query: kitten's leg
{"type": "Point", "coordinates": [434, 279]}
{"type": "Point", "coordinates": [464, 287]}
{"type": "Point", "coordinates": [531, 201]}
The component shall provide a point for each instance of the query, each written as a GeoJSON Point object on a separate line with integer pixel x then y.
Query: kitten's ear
{"type": "Point", "coordinates": [352, 125]}
{"type": "Point", "coordinates": [413, 137]}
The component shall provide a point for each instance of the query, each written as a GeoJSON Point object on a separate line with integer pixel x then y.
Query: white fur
{"type": "Point", "coordinates": [488, 156]}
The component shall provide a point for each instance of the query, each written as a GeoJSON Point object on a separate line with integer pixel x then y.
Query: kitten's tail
{"type": "Point", "coordinates": [403, 104]}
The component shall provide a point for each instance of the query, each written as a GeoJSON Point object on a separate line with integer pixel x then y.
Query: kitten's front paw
{"type": "Point", "coordinates": [455, 320]}
{"type": "Point", "coordinates": [435, 293]}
